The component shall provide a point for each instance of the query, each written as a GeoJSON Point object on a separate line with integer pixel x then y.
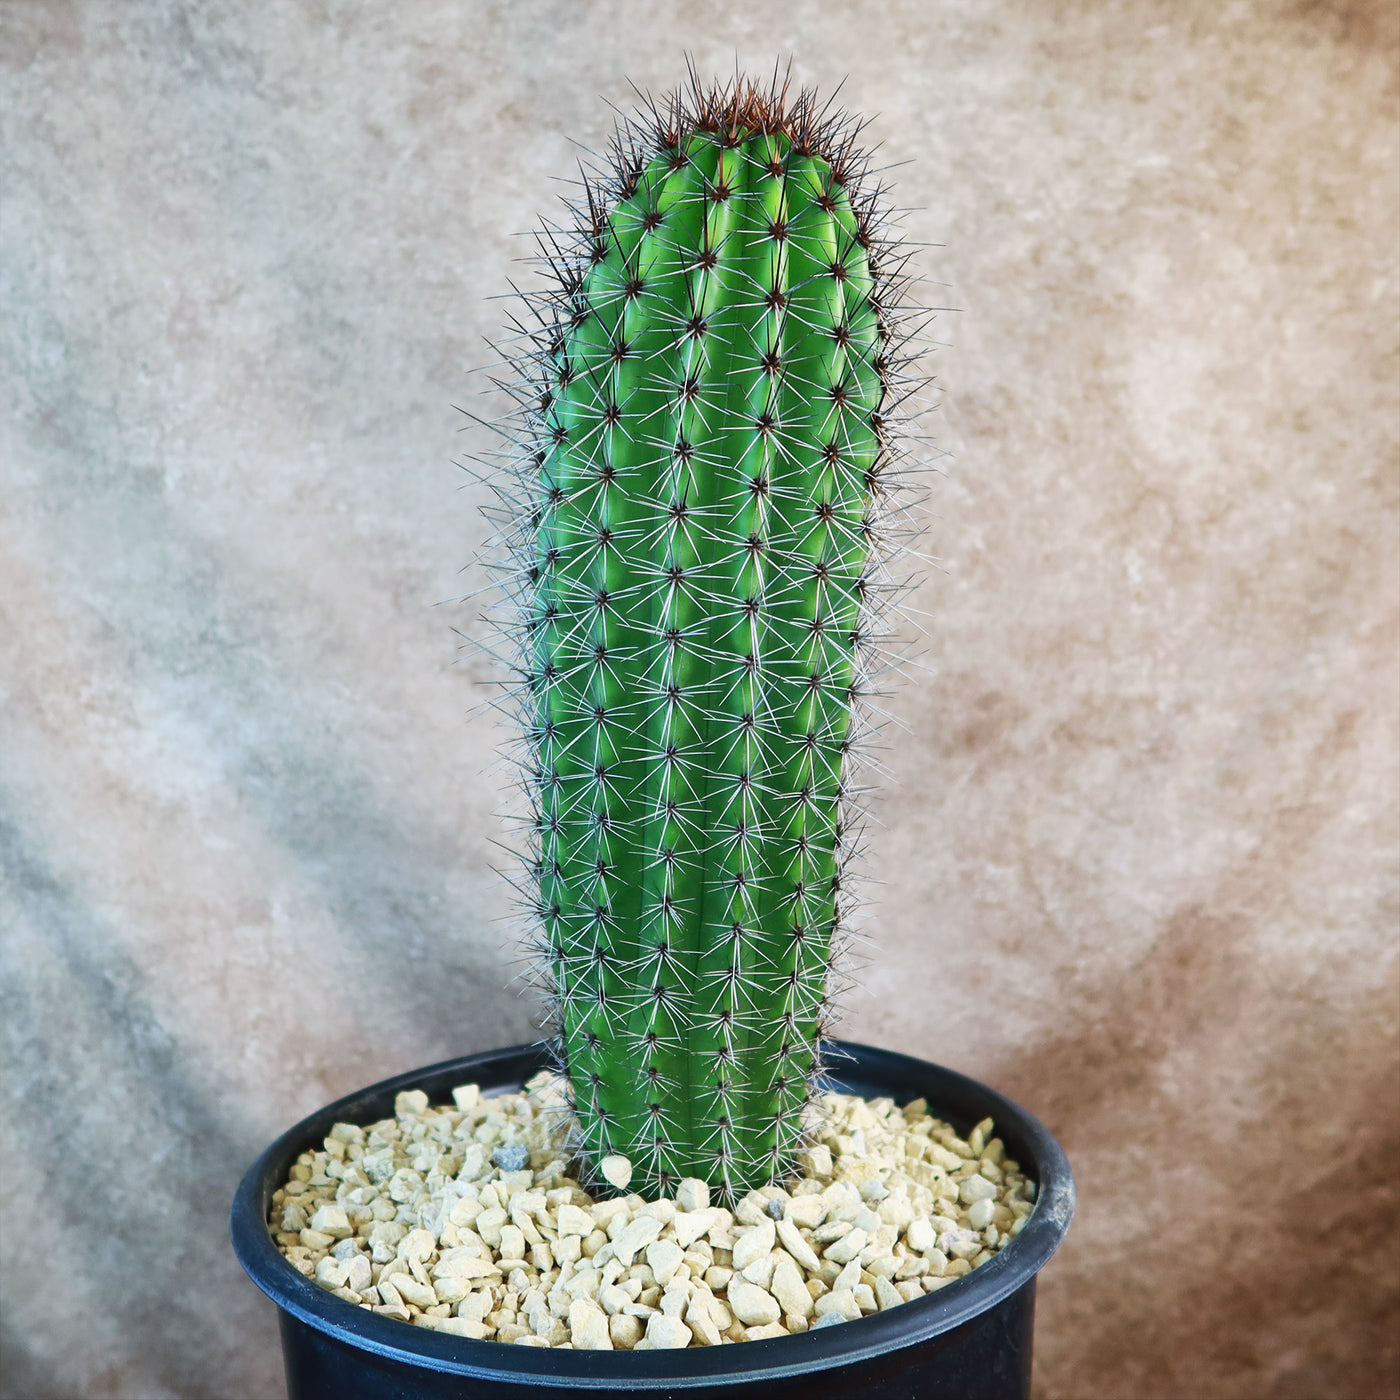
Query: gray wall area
{"type": "Point", "coordinates": [1138, 862]}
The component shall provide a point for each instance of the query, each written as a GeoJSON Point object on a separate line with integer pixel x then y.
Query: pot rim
{"type": "Point", "coordinates": [852, 1068]}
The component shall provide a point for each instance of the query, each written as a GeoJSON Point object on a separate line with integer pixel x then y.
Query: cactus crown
{"type": "Point", "coordinates": [704, 501]}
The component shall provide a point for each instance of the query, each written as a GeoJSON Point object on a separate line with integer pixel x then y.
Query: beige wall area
{"type": "Point", "coordinates": [1138, 858]}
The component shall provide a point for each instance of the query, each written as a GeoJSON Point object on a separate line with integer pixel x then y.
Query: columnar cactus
{"type": "Point", "coordinates": [698, 528]}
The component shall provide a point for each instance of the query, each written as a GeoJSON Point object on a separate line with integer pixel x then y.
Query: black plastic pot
{"type": "Point", "coordinates": [969, 1341]}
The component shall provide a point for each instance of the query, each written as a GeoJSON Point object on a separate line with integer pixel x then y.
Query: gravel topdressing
{"type": "Point", "coordinates": [464, 1218]}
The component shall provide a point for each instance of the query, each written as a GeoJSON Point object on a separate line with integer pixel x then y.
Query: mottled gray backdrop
{"type": "Point", "coordinates": [1140, 863]}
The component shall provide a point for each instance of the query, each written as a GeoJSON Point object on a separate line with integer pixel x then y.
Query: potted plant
{"type": "Point", "coordinates": [701, 525]}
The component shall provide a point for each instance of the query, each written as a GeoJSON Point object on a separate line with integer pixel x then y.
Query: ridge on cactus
{"type": "Point", "coordinates": [699, 524]}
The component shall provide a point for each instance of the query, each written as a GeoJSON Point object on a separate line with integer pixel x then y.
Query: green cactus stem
{"type": "Point", "coordinates": [701, 533]}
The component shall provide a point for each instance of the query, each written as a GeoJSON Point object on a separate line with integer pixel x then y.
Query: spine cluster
{"type": "Point", "coordinates": [697, 540]}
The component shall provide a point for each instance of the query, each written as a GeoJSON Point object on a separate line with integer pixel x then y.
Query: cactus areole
{"type": "Point", "coordinates": [699, 530]}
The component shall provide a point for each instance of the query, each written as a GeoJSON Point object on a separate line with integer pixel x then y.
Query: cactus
{"type": "Point", "coordinates": [697, 525]}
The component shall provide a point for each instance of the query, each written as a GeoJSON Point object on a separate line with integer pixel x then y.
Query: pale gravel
{"type": "Point", "coordinates": [464, 1218]}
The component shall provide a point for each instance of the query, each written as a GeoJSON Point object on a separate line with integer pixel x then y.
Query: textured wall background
{"type": "Point", "coordinates": [1141, 866]}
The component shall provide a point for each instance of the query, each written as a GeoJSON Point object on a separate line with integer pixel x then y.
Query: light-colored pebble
{"type": "Point", "coordinates": [791, 1240]}
{"type": "Point", "coordinates": [588, 1326]}
{"type": "Point", "coordinates": [765, 1330]}
{"type": "Point", "coordinates": [843, 1302]}
{"type": "Point", "coordinates": [332, 1220]}
{"type": "Point", "coordinates": [701, 1321]}
{"type": "Point", "coordinates": [751, 1304]}
{"type": "Point", "coordinates": [489, 1225]}
{"type": "Point", "coordinates": [634, 1236]}
{"type": "Point", "coordinates": [920, 1236]}
{"type": "Point", "coordinates": [847, 1247]}
{"type": "Point", "coordinates": [692, 1194]}
{"type": "Point", "coordinates": [613, 1298]}
{"type": "Point", "coordinates": [761, 1270]}
{"type": "Point", "coordinates": [358, 1275]}
{"type": "Point", "coordinates": [421, 1295]}
{"type": "Point", "coordinates": [465, 1327]}
{"type": "Point", "coordinates": [977, 1188]}
{"type": "Point", "coordinates": [616, 1170]}
{"type": "Point", "coordinates": [753, 1243]}
{"type": "Point", "coordinates": [961, 1247]}
{"type": "Point", "coordinates": [807, 1211]}
{"type": "Point", "coordinates": [664, 1258]}
{"type": "Point", "coordinates": [574, 1221]}
{"type": "Point", "coordinates": [675, 1298]}
{"type": "Point", "coordinates": [665, 1333]}
{"type": "Point", "coordinates": [789, 1288]}
{"type": "Point", "coordinates": [625, 1331]}
{"type": "Point", "coordinates": [688, 1226]}
{"type": "Point", "coordinates": [467, 1238]}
